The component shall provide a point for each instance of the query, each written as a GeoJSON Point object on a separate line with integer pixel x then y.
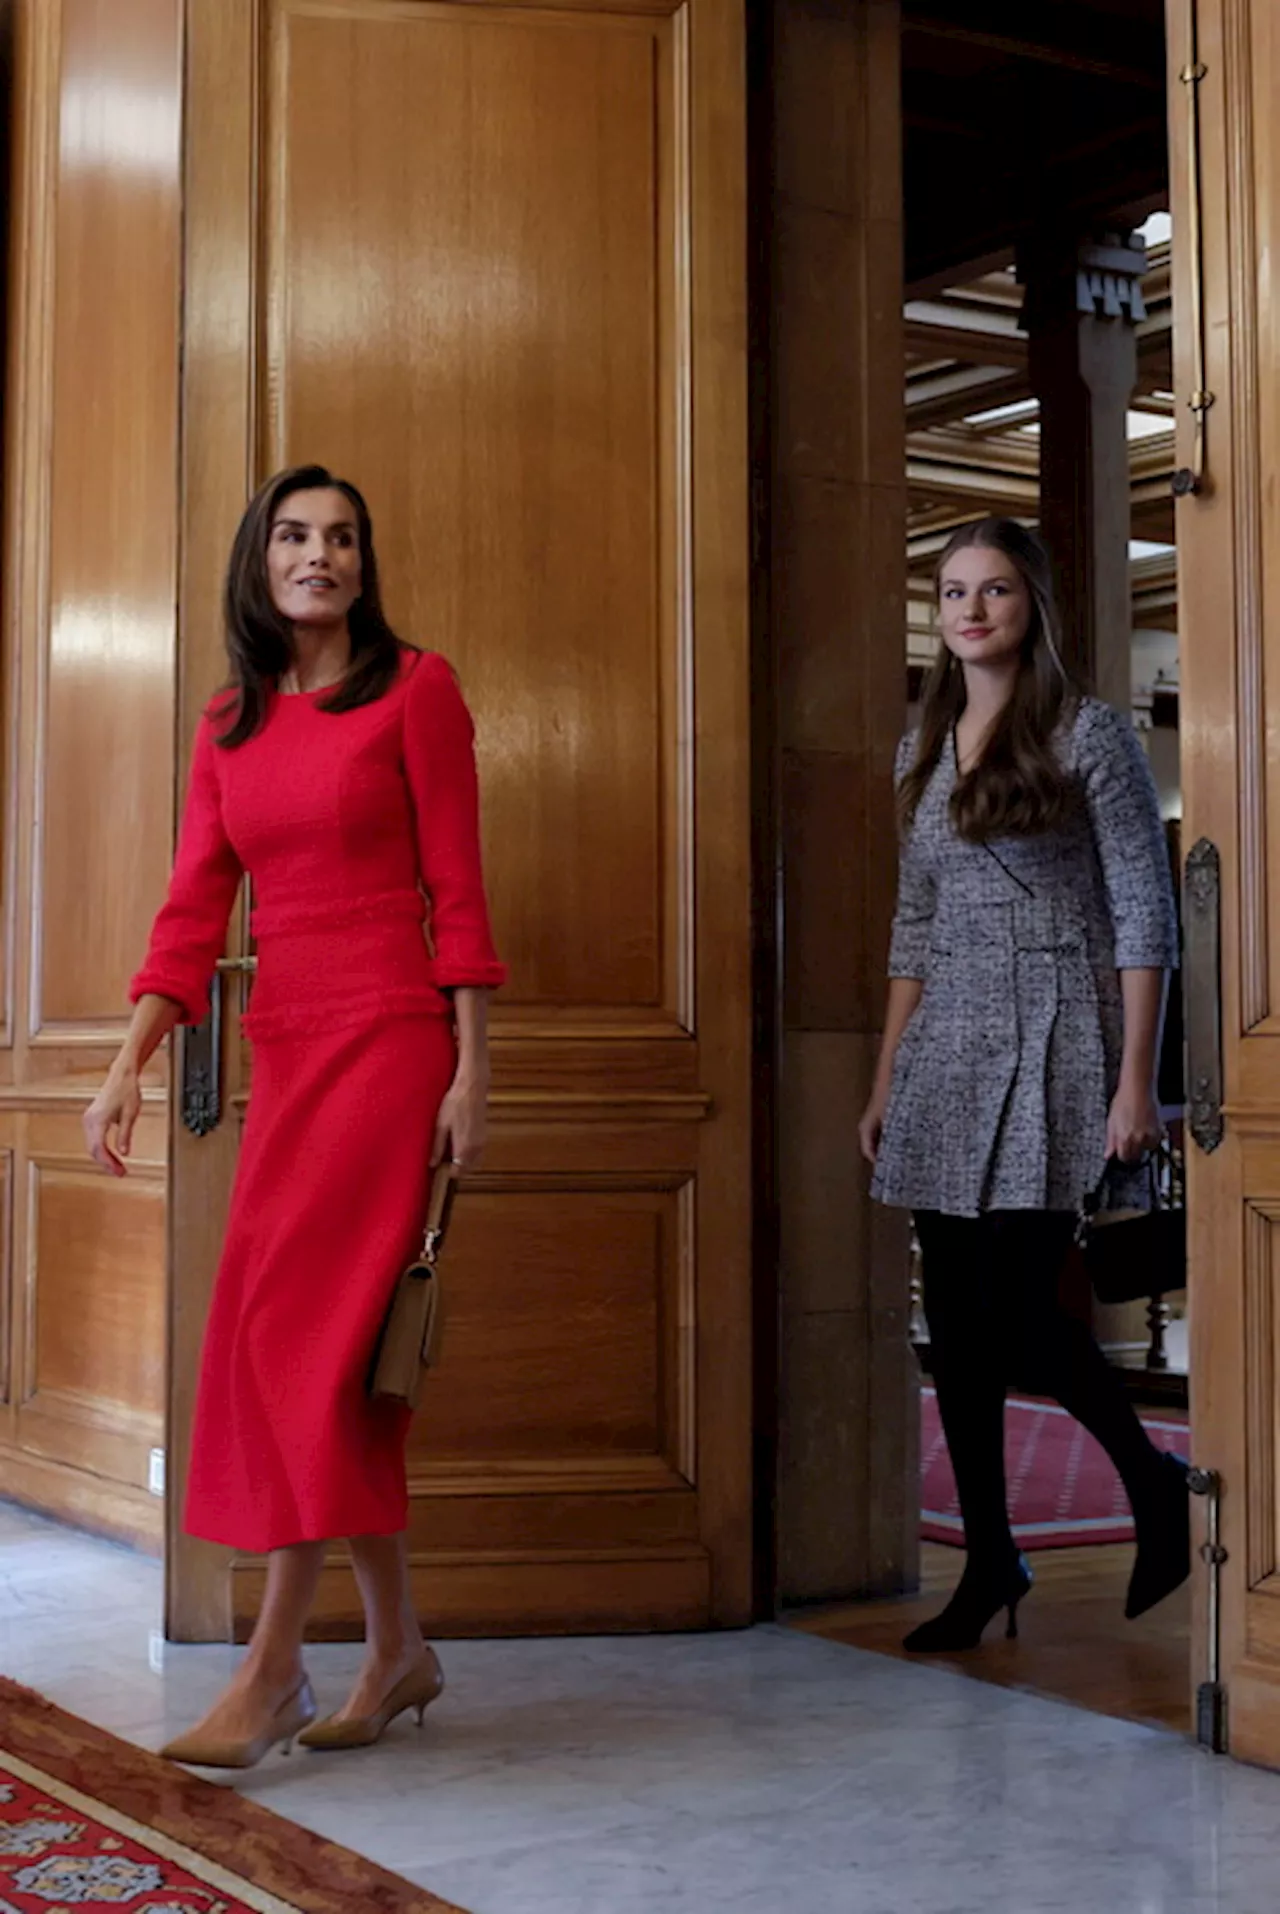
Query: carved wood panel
{"type": "Point", "coordinates": [566, 1300]}
{"type": "Point", "coordinates": [7, 1298]}
{"type": "Point", "coordinates": [92, 1370]}
{"type": "Point", "coordinates": [104, 647]}
{"type": "Point", "coordinates": [474, 224]}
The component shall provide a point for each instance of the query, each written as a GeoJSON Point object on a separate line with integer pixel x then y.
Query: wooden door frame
{"type": "Point", "coordinates": [219, 184]}
{"type": "Point", "coordinates": [1225, 574]}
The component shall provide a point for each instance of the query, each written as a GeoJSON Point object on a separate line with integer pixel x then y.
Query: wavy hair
{"type": "Point", "coordinates": [260, 642]}
{"type": "Point", "coordinates": [1019, 785]}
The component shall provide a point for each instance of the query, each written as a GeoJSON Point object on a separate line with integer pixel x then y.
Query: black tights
{"type": "Point", "coordinates": [995, 1321]}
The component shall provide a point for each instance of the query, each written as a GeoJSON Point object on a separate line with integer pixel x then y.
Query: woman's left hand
{"type": "Point", "coordinates": [1133, 1124]}
{"type": "Point", "coordinates": [461, 1124]}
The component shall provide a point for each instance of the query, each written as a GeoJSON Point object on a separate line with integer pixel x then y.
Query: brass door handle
{"type": "Point", "coordinates": [246, 965]}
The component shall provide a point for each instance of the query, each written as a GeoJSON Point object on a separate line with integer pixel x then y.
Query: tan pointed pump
{"type": "Point", "coordinates": [416, 1690]}
{"type": "Point", "coordinates": [197, 1750]}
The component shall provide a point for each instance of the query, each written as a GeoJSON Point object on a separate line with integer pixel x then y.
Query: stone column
{"type": "Point", "coordinates": [846, 1509]}
{"type": "Point", "coordinates": [1081, 306]}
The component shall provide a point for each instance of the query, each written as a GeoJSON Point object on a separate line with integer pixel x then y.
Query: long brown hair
{"type": "Point", "coordinates": [1018, 786]}
{"type": "Point", "coordinates": [259, 639]}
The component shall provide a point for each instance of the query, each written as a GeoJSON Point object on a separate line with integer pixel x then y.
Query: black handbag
{"type": "Point", "coordinates": [1133, 1255]}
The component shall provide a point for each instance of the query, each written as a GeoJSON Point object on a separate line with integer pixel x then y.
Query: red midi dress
{"type": "Point", "coordinates": [360, 831]}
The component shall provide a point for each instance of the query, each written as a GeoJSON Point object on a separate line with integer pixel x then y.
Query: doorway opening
{"type": "Point", "coordinates": [1039, 386]}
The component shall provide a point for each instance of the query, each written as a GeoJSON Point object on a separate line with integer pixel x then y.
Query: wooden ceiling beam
{"type": "Point", "coordinates": [965, 345]}
{"type": "Point", "coordinates": [942, 252]}
{"type": "Point", "coordinates": [941, 480]}
{"type": "Point", "coordinates": [988, 488]}
{"type": "Point", "coordinates": [947, 403]}
{"type": "Point", "coordinates": [1040, 53]}
{"type": "Point", "coordinates": [961, 274]}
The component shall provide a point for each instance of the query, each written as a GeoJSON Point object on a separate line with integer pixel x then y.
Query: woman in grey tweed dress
{"type": "Point", "coordinates": [1034, 932]}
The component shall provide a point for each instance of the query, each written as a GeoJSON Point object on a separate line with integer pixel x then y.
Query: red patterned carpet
{"type": "Point", "coordinates": [1063, 1492]}
{"type": "Point", "coordinates": [87, 1820]}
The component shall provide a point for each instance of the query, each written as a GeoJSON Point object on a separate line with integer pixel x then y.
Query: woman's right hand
{"type": "Point", "coordinates": [115, 1107]}
{"type": "Point", "coordinates": [872, 1124]}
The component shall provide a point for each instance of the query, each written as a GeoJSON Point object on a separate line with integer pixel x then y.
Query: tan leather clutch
{"type": "Point", "coordinates": [409, 1343]}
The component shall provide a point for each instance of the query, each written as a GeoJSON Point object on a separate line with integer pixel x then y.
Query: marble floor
{"type": "Point", "coordinates": [767, 1772]}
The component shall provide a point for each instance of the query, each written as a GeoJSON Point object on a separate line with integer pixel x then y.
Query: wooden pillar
{"type": "Point", "coordinates": [1081, 305]}
{"type": "Point", "coordinates": [846, 1506]}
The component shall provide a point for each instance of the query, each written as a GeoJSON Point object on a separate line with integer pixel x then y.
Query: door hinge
{"type": "Point", "coordinates": [1190, 481]}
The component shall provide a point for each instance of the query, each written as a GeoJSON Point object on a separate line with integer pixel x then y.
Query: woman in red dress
{"type": "Point", "coordinates": [338, 770]}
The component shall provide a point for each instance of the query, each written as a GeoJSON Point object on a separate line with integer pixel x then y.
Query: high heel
{"type": "Point", "coordinates": [416, 1690]}
{"type": "Point", "coordinates": [978, 1599]}
{"type": "Point", "coordinates": [197, 1750]}
{"type": "Point", "coordinates": [1163, 1527]}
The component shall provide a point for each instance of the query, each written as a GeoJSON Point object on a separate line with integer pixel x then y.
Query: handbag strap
{"type": "Point", "coordinates": [1092, 1200]}
{"type": "Point", "coordinates": [444, 1183]}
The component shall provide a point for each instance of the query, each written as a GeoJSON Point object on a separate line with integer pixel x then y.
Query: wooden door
{"type": "Point", "coordinates": [1227, 240]}
{"type": "Point", "coordinates": [489, 262]}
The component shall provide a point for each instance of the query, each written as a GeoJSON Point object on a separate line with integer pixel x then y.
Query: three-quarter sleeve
{"type": "Point", "coordinates": [190, 929]}
{"type": "Point", "coordinates": [917, 894]}
{"type": "Point", "coordinates": [1124, 813]}
{"type": "Point", "coordinates": [440, 765]}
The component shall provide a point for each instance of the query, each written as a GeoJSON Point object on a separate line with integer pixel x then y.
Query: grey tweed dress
{"type": "Point", "coordinates": [1004, 1076]}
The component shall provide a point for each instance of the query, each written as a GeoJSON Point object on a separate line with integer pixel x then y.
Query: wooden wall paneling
{"type": "Point", "coordinates": [87, 1298]}
{"type": "Point", "coordinates": [93, 1357]}
{"type": "Point", "coordinates": [7, 1300]}
{"type": "Point", "coordinates": [464, 323]}
{"type": "Point", "coordinates": [28, 407]}
{"type": "Point", "coordinates": [88, 583]}
{"type": "Point", "coordinates": [1262, 1406]}
{"type": "Point", "coordinates": [14, 170]}
{"type": "Point", "coordinates": [106, 668]}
